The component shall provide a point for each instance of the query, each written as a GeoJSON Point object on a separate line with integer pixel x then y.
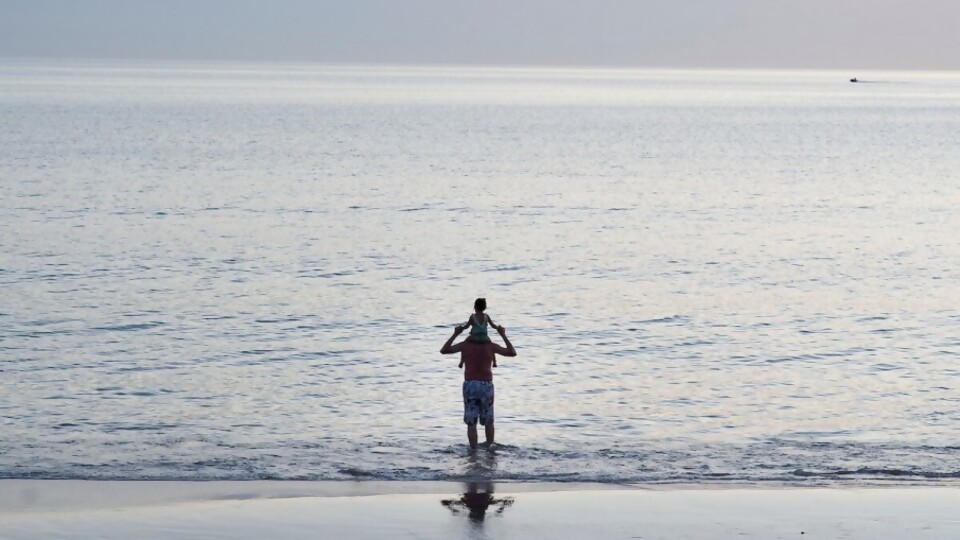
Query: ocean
{"type": "Point", "coordinates": [246, 271]}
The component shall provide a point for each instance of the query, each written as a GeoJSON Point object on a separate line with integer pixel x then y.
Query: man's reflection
{"type": "Point", "coordinates": [477, 499]}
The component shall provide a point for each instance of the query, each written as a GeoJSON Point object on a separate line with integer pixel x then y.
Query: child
{"type": "Point", "coordinates": [478, 325]}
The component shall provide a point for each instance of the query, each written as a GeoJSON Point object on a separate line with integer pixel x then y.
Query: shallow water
{"type": "Point", "coordinates": [246, 271]}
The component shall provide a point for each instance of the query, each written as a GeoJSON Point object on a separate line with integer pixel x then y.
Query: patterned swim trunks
{"type": "Point", "coordinates": [477, 402]}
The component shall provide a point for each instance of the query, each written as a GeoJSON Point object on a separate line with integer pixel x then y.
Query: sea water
{"type": "Point", "coordinates": [240, 271]}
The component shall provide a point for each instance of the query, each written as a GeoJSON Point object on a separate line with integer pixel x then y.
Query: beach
{"type": "Point", "coordinates": [236, 238]}
{"type": "Point", "coordinates": [427, 510]}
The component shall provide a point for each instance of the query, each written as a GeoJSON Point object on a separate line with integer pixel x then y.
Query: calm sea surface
{"type": "Point", "coordinates": [215, 271]}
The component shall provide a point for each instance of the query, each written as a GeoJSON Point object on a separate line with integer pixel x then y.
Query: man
{"type": "Point", "coordinates": [478, 358]}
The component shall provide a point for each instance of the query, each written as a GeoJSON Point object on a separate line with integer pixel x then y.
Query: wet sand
{"type": "Point", "coordinates": [428, 510]}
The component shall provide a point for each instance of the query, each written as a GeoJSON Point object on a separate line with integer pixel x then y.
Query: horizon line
{"type": "Point", "coordinates": [465, 64]}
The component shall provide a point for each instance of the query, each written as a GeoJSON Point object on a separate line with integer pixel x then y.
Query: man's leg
{"type": "Point", "coordinates": [471, 413]}
{"type": "Point", "coordinates": [488, 415]}
{"type": "Point", "coordinates": [472, 435]}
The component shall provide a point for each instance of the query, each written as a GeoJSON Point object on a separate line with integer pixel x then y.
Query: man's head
{"type": "Point", "coordinates": [480, 304]}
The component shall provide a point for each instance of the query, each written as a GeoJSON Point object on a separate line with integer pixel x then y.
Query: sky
{"type": "Point", "coordinates": [831, 34]}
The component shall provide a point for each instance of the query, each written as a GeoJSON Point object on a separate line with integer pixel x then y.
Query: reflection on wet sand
{"type": "Point", "coordinates": [476, 501]}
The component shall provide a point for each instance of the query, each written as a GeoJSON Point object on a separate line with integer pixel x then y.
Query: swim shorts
{"type": "Point", "coordinates": [477, 402]}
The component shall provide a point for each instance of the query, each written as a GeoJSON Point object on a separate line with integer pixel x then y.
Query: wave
{"type": "Point", "coordinates": [799, 478]}
{"type": "Point", "coordinates": [789, 463]}
{"type": "Point", "coordinates": [868, 472]}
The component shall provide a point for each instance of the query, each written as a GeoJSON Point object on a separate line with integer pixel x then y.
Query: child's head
{"type": "Point", "coordinates": [480, 304]}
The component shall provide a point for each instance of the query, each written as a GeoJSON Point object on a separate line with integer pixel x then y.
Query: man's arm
{"type": "Point", "coordinates": [449, 347]}
{"type": "Point", "coordinates": [504, 351]}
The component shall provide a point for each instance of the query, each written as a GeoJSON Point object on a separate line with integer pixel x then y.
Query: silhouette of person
{"type": "Point", "coordinates": [476, 501]}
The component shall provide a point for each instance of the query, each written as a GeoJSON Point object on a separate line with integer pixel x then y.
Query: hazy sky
{"type": "Point", "coordinates": [909, 34]}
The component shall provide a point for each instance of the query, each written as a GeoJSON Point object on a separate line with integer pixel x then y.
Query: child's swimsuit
{"type": "Point", "coordinates": [478, 331]}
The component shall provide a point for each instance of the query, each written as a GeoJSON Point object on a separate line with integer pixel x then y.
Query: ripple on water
{"type": "Point", "coordinates": [133, 327]}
